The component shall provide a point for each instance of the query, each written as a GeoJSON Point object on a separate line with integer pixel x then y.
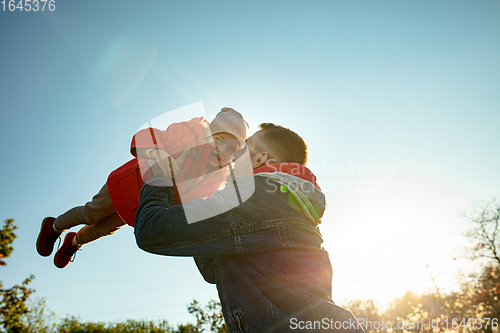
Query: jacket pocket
{"type": "Point", "coordinates": [238, 320]}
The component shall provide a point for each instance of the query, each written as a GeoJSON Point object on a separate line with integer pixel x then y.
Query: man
{"type": "Point", "coordinates": [259, 243]}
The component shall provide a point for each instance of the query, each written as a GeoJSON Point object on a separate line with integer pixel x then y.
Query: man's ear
{"type": "Point", "coordinates": [259, 159]}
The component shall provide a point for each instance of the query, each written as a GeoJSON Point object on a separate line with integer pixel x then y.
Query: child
{"type": "Point", "coordinates": [201, 151]}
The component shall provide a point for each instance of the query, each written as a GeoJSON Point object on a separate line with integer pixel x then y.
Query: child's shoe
{"type": "Point", "coordinates": [66, 252]}
{"type": "Point", "coordinates": [47, 237]}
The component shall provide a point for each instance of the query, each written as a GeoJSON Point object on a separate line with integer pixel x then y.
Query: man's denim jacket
{"type": "Point", "coordinates": [259, 243]}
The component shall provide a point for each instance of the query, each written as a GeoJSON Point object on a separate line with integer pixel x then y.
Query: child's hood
{"type": "Point", "coordinates": [229, 121]}
{"type": "Point", "coordinates": [301, 183]}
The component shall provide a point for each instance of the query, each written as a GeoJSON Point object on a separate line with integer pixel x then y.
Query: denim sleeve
{"type": "Point", "coordinates": [206, 266]}
{"type": "Point", "coordinates": [163, 229]}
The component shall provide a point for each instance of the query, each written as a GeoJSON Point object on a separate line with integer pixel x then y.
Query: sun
{"type": "Point", "coordinates": [401, 238]}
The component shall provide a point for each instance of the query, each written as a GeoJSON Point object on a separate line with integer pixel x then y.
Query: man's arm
{"type": "Point", "coordinates": [163, 229]}
{"type": "Point", "coordinates": [206, 266]}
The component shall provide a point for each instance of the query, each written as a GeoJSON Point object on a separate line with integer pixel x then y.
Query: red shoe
{"type": "Point", "coordinates": [66, 252]}
{"type": "Point", "coordinates": [47, 237]}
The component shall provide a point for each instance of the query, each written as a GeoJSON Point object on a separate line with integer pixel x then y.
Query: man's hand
{"type": "Point", "coordinates": [165, 162]}
{"type": "Point", "coordinates": [182, 158]}
{"type": "Point", "coordinates": [162, 162]}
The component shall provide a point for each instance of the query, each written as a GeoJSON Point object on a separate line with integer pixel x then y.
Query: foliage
{"type": "Point", "coordinates": [15, 310]}
{"type": "Point", "coordinates": [13, 306]}
{"type": "Point", "coordinates": [482, 291]}
{"type": "Point", "coordinates": [73, 325]}
{"type": "Point", "coordinates": [484, 233]}
{"type": "Point", "coordinates": [210, 317]}
{"type": "Point", "coordinates": [367, 311]}
{"type": "Point", "coordinates": [38, 318]}
{"type": "Point", "coordinates": [478, 298]}
{"type": "Point", "coordinates": [7, 236]}
{"type": "Point", "coordinates": [427, 313]}
{"type": "Point", "coordinates": [481, 296]}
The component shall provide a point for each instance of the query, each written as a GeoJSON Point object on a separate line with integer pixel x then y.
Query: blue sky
{"type": "Point", "coordinates": [408, 88]}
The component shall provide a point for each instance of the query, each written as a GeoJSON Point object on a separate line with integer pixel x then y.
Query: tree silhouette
{"type": "Point", "coordinates": [7, 236]}
{"type": "Point", "coordinates": [484, 233]}
{"type": "Point", "coordinates": [13, 302]}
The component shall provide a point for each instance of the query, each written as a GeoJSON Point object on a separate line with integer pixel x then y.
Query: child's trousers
{"type": "Point", "coordinates": [99, 215]}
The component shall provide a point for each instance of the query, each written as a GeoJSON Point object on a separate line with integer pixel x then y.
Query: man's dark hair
{"type": "Point", "coordinates": [283, 144]}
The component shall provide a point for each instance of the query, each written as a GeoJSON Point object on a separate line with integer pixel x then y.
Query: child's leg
{"type": "Point", "coordinates": [105, 227]}
{"type": "Point", "coordinates": [101, 205]}
{"type": "Point", "coordinates": [93, 212]}
{"type": "Point", "coordinates": [73, 241]}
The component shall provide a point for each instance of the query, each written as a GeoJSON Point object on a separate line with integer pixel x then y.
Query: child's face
{"type": "Point", "coordinates": [225, 145]}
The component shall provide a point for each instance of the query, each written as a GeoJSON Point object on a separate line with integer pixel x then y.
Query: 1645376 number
{"type": "Point", "coordinates": [471, 323]}
{"type": "Point", "coordinates": [28, 5]}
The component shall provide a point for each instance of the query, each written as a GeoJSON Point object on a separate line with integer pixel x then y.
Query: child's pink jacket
{"type": "Point", "coordinates": [125, 183]}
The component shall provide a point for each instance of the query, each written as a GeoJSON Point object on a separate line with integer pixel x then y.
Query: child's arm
{"type": "Point", "coordinates": [162, 146]}
{"type": "Point", "coordinates": [169, 166]}
{"type": "Point", "coordinates": [169, 140]}
{"type": "Point", "coordinates": [163, 160]}
{"type": "Point", "coordinates": [151, 143]}
{"type": "Point", "coordinates": [149, 152]}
